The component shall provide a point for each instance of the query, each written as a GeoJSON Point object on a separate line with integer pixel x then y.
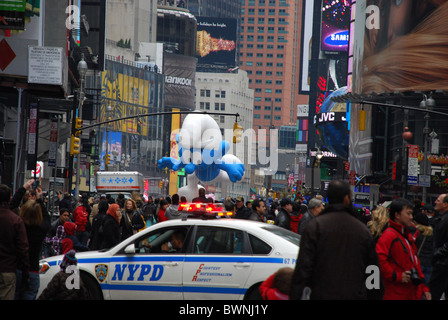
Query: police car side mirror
{"type": "Point", "coordinates": [130, 249]}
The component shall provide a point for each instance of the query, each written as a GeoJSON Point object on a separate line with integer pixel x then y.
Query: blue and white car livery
{"type": "Point", "coordinates": [219, 259]}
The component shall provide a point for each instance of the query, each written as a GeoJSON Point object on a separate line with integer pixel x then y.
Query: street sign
{"type": "Point", "coordinates": [424, 180]}
{"type": "Point", "coordinates": [412, 164]}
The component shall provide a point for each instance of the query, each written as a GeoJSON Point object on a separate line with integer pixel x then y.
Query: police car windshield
{"type": "Point", "coordinates": [290, 236]}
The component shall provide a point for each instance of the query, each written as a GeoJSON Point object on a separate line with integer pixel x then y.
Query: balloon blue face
{"type": "Point", "coordinates": [334, 135]}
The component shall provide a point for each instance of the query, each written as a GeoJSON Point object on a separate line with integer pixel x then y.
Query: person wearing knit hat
{"type": "Point", "coordinates": [58, 288]}
{"type": "Point", "coordinates": [69, 260]}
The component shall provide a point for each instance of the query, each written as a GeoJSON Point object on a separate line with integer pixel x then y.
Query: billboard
{"type": "Point", "coordinates": [335, 25]}
{"type": "Point", "coordinates": [12, 14]}
{"type": "Point", "coordinates": [404, 46]}
{"type": "Point", "coordinates": [129, 93]}
{"type": "Point", "coordinates": [180, 72]}
{"type": "Point", "coordinates": [216, 41]}
{"type": "Point", "coordinates": [305, 46]}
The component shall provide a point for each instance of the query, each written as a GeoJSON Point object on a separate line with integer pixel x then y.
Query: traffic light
{"type": "Point", "coordinates": [160, 184]}
{"type": "Point", "coordinates": [237, 132]}
{"type": "Point", "coordinates": [74, 145]}
{"type": "Point", "coordinates": [78, 125]}
{"type": "Point", "coordinates": [107, 159]}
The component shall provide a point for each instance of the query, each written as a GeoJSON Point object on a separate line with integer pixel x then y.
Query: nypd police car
{"type": "Point", "coordinates": [217, 259]}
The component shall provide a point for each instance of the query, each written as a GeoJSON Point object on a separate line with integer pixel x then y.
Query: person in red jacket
{"type": "Point", "coordinates": [80, 218]}
{"type": "Point", "coordinates": [278, 285]}
{"type": "Point", "coordinates": [400, 267]}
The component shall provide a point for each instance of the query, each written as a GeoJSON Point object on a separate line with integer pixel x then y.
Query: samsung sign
{"type": "Point", "coordinates": [337, 39]}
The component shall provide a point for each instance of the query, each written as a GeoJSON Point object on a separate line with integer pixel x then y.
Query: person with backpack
{"type": "Point", "coordinates": [148, 211]}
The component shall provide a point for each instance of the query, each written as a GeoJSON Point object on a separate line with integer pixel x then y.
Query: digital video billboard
{"type": "Point", "coordinates": [335, 25]}
{"type": "Point", "coordinates": [216, 41]}
{"type": "Point", "coordinates": [404, 46]}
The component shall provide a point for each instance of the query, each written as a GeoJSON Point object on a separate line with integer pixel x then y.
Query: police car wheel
{"type": "Point", "coordinates": [253, 293]}
{"type": "Point", "coordinates": [92, 286]}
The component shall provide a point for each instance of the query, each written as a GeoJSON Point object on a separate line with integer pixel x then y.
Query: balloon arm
{"type": "Point", "coordinates": [170, 163]}
{"type": "Point", "coordinates": [235, 171]}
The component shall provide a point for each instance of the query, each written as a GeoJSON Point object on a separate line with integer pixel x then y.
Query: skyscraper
{"type": "Point", "coordinates": [214, 8]}
{"type": "Point", "coordinates": [269, 52]}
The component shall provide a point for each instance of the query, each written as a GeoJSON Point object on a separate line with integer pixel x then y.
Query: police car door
{"type": "Point", "coordinates": [150, 272]}
{"type": "Point", "coordinates": [218, 266]}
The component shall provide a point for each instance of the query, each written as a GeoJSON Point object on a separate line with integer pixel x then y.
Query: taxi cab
{"type": "Point", "coordinates": [218, 258]}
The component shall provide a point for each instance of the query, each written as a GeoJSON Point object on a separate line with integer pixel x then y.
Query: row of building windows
{"type": "Point", "coordinates": [262, 20]}
{"type": "Point", "coordinates": [260, 64]}
{"type": "Point", "coordinates": [206, 106]}
{"type": "Point", "coordinates": [266, 117]}
{"type": "Point", "coordinates": [260, 81]}
{"type": "Point", "coordinates": [258, 90]}
{"type": "Point", "coordinates": [267, 99]}
{"type": "Point", "coordinates": [261, 38]}
{"type": "Point", "coordinates": [218, 93]}
{"type": "Point", "coordinates": [262, 29]}
{"type": "Point", "coordinates": [261, 46]}
{"type": "Point", "coordinates": [263, 2]}
{"type": "Point", "coordinates": [268, 73]}
{"type": "Point", "coordinates": [261, 55]}
{"type": "Point", "coordinates": [262, 11]}
{"type": "Point", "coordinates": [268, 108]}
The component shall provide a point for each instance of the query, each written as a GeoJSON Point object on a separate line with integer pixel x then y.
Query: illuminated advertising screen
{"type": "Point", "coordinates": [216, 41]}
{"type": "Point", "coordinates": [335, 25]}
{"type": "Point", "coordinates": [404, 46]}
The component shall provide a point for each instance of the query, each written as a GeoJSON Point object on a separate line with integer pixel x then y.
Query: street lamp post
{"type": "Point", "coordinates": [317, 158]}
{"type": "Point", "coordinates": [287, 172]}
{"type": "Point", "coordinates": [82, 70]}
{"type": "Point", "coordinates": [426, 103]}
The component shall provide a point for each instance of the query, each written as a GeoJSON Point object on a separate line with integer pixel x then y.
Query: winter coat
{"type": "Point", "coordinates": [13, 242]}
{"type": "Point", "coordinates": [172, 212]}
{"type": "Point", "coordinates": [269, 292]}
{"type": "Point", "coordinates": [335, 251]}
{"type": "Point", "coordinates": [441, 239]}
{"type": "Point", "coordinates": [57, 289]}
{"type": "Point", "coordinates": [36, 236]}
{"type": "Point", "coordinates": [97, 232]}
{"type": "Point", "coordinates": [295, 220]}
{"type": "Point", "coordinates": [111, 232]}
{"type": "Point", "coordinates": [243, 213]}
{"type": "Point", "coordinates": [397, 253]}
{"type": "Point", "coordinates": [80, 217]}
{"type": "Point", "coordinates": [55, 242]}
{"type": "Point", "coordinates": [307, 217]}
{"type": "Point", "coordinates": [255, 216]}
{"type": "Point", "coordinates": [283, 219]}
{"type": "Point", "coordinates": [70, 228]}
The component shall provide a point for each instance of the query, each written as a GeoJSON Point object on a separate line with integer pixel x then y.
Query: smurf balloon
{"type": "Point", "coordinates": [203, 154]}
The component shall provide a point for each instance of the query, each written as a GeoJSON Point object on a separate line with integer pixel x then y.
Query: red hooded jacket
{"type": "Point", "coordinates": [397, 253]}
{"type": "Point", "coordinates": [67, 243]}
{"type": "Point", "coordinates": [80, 216]}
